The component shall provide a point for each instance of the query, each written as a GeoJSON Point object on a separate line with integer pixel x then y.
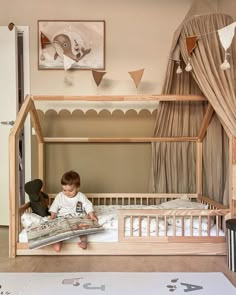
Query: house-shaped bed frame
{"type": "Point", "coordinates": [138, 245]}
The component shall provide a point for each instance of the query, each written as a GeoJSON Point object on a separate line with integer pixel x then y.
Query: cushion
{"type": "Point", "coordinates": [182, 203]}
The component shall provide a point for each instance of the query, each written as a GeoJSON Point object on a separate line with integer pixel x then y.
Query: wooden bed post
{"type": "Point", "coordinates": [41, 162]}
{"type": "Point", "coordinates": [38, 131]}
{"type": "Point", "coordinates": [201, 135]}
{"type": "Point", "coordinates": [13, 193]}
{"type": "Point", "coordinates": [13, 174]}
{"type": "Point", "coordinates": [199, 168]}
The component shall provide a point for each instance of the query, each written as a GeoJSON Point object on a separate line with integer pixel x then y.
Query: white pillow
{"type": "Point", "coordinates": [182, 204]}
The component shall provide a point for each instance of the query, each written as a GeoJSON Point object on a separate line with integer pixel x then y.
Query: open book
{"type": "Point", "coordinates": [59, 229]}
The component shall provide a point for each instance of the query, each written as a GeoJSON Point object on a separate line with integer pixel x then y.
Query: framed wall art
{"type": "Point", "coordinates": [70, 44]}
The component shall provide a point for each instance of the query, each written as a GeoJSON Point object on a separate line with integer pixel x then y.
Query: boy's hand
{"type": "Point", "coordinates": [53, 215]}
{"type": "Point", "coordinates": [93, 216]}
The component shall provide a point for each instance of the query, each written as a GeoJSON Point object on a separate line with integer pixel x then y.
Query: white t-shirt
{"type": "Point", "coordinates": [63, 205]}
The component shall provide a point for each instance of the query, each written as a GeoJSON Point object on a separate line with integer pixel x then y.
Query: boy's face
{"type": "Point", "coordinates": [69, 190]}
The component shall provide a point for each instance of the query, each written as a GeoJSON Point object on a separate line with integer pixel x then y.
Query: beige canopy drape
{"type": "Point", "coordinates": [176, 172]}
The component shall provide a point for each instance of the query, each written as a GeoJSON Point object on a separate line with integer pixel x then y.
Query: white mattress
{"type": "Point", "coordinates": [108, 217]}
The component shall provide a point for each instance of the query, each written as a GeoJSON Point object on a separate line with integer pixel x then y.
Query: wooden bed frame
{"type": "Point", "coordinates": [147, 245]}
{"type": "Point", "coordinates": [174, 245]}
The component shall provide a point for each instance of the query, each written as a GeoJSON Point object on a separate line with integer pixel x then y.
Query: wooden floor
{"type": "Point", "coordinates": [111, 263]}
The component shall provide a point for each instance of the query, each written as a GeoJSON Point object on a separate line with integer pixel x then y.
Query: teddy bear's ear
{"type": "Point", "coordinates": [33, 186]}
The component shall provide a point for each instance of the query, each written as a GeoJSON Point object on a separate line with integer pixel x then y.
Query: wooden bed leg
{"type": "Point", "coordinates": [199, 168]}
{"type": "Point", "coordinates": [13, 185]}
{"type": "Point", "coordinates": [41, 162]}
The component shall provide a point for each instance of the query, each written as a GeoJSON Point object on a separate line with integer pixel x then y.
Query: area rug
{"type": "Point", "coordinates": [115, 283]}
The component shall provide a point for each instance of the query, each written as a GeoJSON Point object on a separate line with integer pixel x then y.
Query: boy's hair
{"type": "Point", "coordinates": [70, 177]}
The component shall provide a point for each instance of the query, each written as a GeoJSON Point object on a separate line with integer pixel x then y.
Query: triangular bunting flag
{"type": "Point", "coordinates": [191, 43]}
{"type": "Point", "coordinates": [137, 76]}
{"type": "Point", "coordinates": [44, 40]}
{"type": "Point", "coordinates": [97, 76]}
{"type": "Point", "coordinates": [68, 62]}
{"type": "Point", "coordinates": [226, 35]}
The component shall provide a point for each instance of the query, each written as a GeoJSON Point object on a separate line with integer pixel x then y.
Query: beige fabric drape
{"type": "Point", "coordinates": [174, 164]}
{"type": "Point", "coordinates": [218, 87]}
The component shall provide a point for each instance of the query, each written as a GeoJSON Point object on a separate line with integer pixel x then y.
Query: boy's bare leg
{"type": "Point", "coordinates": [83, 242]}
{"type": "Point", "coordinates": [57, 246]}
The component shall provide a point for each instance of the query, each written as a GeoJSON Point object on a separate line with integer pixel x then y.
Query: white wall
{"type": "Point", "coordinates": [138, 34]}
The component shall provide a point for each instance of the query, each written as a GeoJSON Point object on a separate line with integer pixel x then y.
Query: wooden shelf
{"type": "Point", "coordinates": [141, 98]}
{"type": "Point", "coordinates": [118, 139]}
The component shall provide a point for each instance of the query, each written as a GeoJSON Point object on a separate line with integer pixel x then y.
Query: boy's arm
{"type": "Point", "coordinates": [53, 210]}
{"type": "Point", "coordinates": [93, 216]}
{"type": "Point", "coordinates": [87, 205]}
{"type": "Point", "coordinates": [53, 215]}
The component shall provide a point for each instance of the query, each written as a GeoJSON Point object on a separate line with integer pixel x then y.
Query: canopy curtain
{"type": "Point", "coordinates": [218, 87]}
{"type": "Point", "coordinates": [174, 163]}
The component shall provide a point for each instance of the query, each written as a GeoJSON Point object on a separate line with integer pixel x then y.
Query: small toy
{"type": "Point", "coordinates": [38, 199]}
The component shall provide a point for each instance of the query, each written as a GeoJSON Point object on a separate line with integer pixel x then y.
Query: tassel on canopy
{"type": "Point", "coordinates": [179, 70]}
{"type": "Point", "coordinates": [225, 65]}
{"type": "Point", "coordinates": [190, 44]}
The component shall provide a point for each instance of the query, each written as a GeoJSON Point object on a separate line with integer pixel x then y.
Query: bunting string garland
{"type": "Point", "coordinates": [226, 35]}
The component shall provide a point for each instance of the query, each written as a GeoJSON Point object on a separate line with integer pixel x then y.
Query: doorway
{"type": "Point", "coordinates": [21, 95]}
{"type": "Point", "coordinates": [14, 65]}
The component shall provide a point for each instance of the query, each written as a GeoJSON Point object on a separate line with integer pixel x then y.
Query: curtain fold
{"type": "Point", "coordinates": [174, 165]}
{"type": "Point", "coordinates": [217, 85]}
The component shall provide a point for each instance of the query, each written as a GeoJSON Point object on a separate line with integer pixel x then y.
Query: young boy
{"type": "Point", "coordinates": [66, 202]}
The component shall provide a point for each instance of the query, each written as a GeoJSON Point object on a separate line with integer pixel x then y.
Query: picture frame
{"type": "Point", "coordinates": [71, 44]}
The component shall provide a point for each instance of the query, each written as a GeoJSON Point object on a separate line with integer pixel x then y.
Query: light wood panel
{"type": "Point", "coordinates": [205, 122]}
{"type": "Point", "coordinates": [168, 97]}
{"type": "Point", "coordinates": [118, 139]}
{"type": "Point", "coordinates": [199, 168]}
{"type": "Point", "coordinates": [132, 248]}
{"type": "Point", "coordinates": [35, 122]}
{"type": "Point", "coordinates": [41, 168]}
{"type": "Point", "coordinates": [13, 173]}
{"type": "Point", "coordinates": [13, 193]}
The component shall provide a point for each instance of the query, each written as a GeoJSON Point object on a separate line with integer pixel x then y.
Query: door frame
{"type": "Point", "coordinates": [27, 128]}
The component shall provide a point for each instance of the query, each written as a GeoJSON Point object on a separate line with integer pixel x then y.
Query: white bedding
{"type": "Point", "coordinates": [108, 217]}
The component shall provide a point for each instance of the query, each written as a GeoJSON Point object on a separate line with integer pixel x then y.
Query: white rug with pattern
{"type": "Point", "coordinates": [115, 283]}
